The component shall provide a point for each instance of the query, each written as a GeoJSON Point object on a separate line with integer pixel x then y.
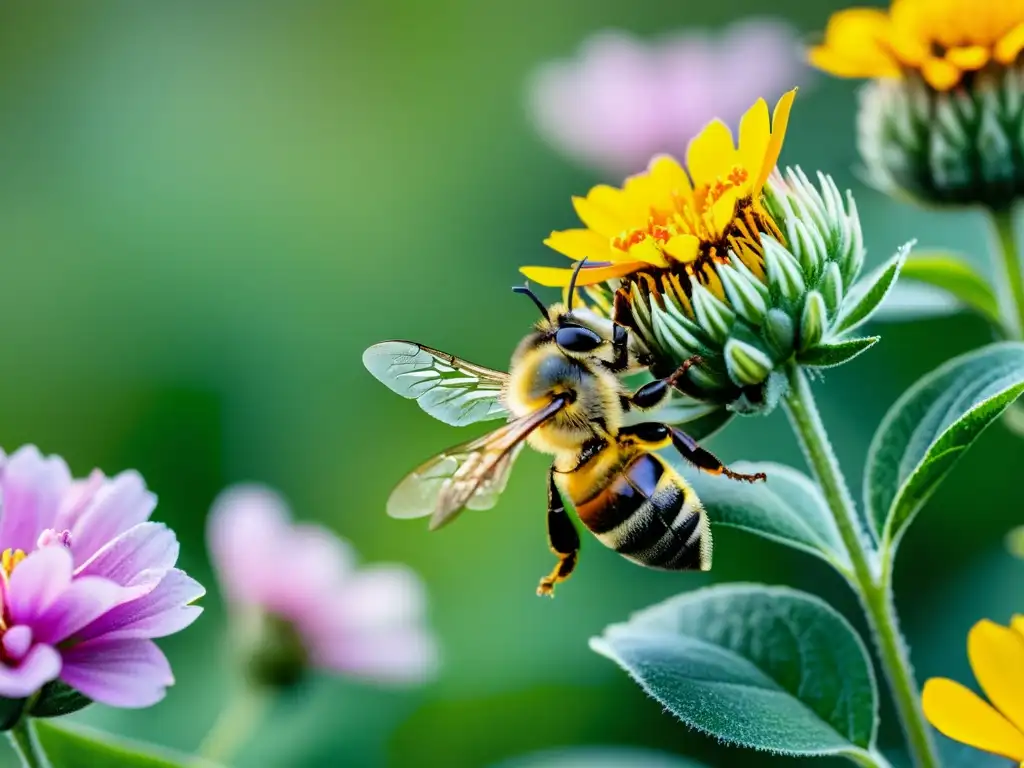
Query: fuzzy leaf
{"type": "Point", "coordinates": [787, 508]}
{"type": "Point", "coordinates": [762, 667]}
{"type": "Point", "coordinates": [869, 292]}
{"type": "Point", "coordinates": [74, 746]}
{"type": "Point", "coordinates": [928, 429]}
{"type": "Point", "coordinates": [835, 353]}
{"type": "Point", "coordinates": [957, 277]}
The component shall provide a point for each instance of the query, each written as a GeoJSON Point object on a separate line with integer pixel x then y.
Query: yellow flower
{"type": "Point", "coordinates": [997, 658]}
{"type": "Point", "coordinates": [679, 220]}
{"type": "Point", "coordinates": [943, 40]}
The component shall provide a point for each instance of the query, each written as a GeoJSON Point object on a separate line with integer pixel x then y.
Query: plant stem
{"type": "Point", "coordinates": [1008, 265]}
{"type": "Point", "coordinates": [868, 581]}
{"type": "Point", "coordinates": [234, 724]}
{"type": "Point", "coordinates": [23, 739]}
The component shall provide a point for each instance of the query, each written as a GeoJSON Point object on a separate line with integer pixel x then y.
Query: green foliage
{"type": "Point", "coordinates": [928, 429]}
{"type": "Point", "coordinates": [836, 353]}
{"type": "Point", "coordinates": [69, 746]}
{"type": "Point", "coordinates": [953, 274]}
{"type": "Point", "coordinates": [57, 698]}
{"type": "Point", "coordinates": [788, 508]}
{"type": "Point", "coordinates": [868, 294]}
{"type": "Point", "coordinates": [10, 712]}
{"type": "Point", "coordinates": [599, 757]}
{"type": "Point", "coordinates": [763, 667]}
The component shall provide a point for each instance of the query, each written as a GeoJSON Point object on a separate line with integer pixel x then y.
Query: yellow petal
{"type": "Point", "coordinates": [840, 64]}
{"type": "Point", "coordinates": [997, 658]}
{"type": "Point", "coordinates": [723, 211]}
{"type": "Point", "coordinates": [1010, 45]}
{"type": "Point", "coordinates": [647, 251]}
{"type": "Point", "coordinates": [940, 74]}
{"type": "Point", "coordinates": [683, 247]}
{"type": "Point", "coordinates": [668, 177]}
{"type": "Point", "coordinates": [641, 193]}
{"type": "Point", "coordinates": [755, 133]}
{"type": "Point", "coordinates": [1018, 624]}
{"type": "Point", "coordinates": [603, 210]}
{"type": "Point", "coordinates": [855, 45]}
{"type": "Point", "coordinates": [961, 715]}
{"type": "Point", "coordinates": [711, 154]}
{"type": "Point", "coordinates": [780, 120]}
{"type": "Point", "coordinates": [579, 244]}
{"type": "Point", "coordinates": [968, 57]}
{"type": "Point", "coordinates": [554, 277]}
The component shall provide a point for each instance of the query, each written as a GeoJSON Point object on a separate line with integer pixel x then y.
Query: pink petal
{"type": "Point", "coordinates": [37, 582]}
{"type": "Point", "coordinates": [85, 600]}
{"type": "Point", "coordinates": [17, 641]}
{"type": "Point", "coordinates": [319, 564]}
{"type": "Point", "coordinates": [139, 557]}
{"type": "Point", "coordinates": [378, 597]}
{"type": "Point", "coordinates": [77, 499]}
{"type": "Point", "coordinates": [405, 656]}
{"type": "Point", "coordinates": [121, 504]}
{"type": "Point", "coordinates": [31, 488]}
{"type": "Point", "coordinates": [121, 673]}
{"type": "Point", "coordinates": [162, 612]}
{"type": "Point", "coordinates": [40, 666]}
{"type": "Point", "coordinates": [244, 533]}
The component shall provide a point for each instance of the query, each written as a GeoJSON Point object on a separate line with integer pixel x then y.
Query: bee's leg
{"type": "Point", "coordinates": [653, 393]}
{"type": "Point", "coordinates": [705, 460]}
{"type": "Point", "coordinates": [563, 538]}
{"type": "Point", "coordinates": [620, 346]}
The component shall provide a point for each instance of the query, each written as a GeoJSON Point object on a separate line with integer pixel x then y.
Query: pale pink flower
{"type": "Point", "coordinates": [362, 622]}
{"type": "Point", "coordinates": [86, 581]}
{"type": "Point", "coordinates": [622, 100]}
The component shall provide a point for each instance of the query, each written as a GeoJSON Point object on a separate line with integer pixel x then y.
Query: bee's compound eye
{"type": "Point", "coordinates": [575, 338]}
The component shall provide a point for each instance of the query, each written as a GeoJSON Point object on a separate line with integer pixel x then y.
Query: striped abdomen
{"type": "Point", "coordinates": [646, 512]}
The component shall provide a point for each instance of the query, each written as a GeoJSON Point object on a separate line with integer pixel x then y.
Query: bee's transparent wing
{"type": "Point", "coordinates": [468, 476]}
{"type": "Point", "coordinates": [451, 390]}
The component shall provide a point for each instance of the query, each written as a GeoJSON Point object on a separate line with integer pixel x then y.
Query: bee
{"type": "Point", "coordinates": [564, 396]}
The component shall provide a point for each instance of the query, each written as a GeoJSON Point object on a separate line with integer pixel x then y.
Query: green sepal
{"type": "Point", "coordinates": [813, 320]}
{"type": "Point", "coordinates": [57, 698]}
{"type": "Point", "coordinates": [835, 353]}
{"type": "Point", "coordinates": [747, 365]}
{"type": "Point", "coordinates": [867, 294]}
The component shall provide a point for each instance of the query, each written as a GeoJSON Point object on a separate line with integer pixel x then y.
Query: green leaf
{"type": "Point", "coordinates": [57, 698]}
{"type": "Point", "coordinates": [908, 301]}
{"type": "Point", "coordinates": [956, 276]}
{"type": "Point", "coordinates": [762, 667]}
{"type": "Point", "coordinates": [75, 746]}
{"type": "Point", "coordinates": [787, 508]}
{"type": "Point", "coordinates": [928, 429]}
{"type": "Point", "coordinates": [868, 293]}
{"type": "Point", "coordinates": [835, 353]}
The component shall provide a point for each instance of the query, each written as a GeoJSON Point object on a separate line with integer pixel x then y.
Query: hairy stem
{"type": "Point", "coordinates": [23, 739]}
{"type": "Point", "coordinates": [234, 725]}
{"type": "Point", "coordinates": [1010, 271]}
{"type": "Point", "coordinates": [868, 580]}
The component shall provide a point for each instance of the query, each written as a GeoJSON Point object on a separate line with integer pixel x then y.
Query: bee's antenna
{"type": "Point", "coordinates": [525, 290]}
{"type": "Point", "coordinates": [572, 284]}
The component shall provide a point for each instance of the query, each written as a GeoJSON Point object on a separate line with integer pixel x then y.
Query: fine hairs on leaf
{"type": "Point", "coordinates": [870, 292]}
{"type": "Point", "coordinates": [768, 668]}
{"type": "Point", "coordinates": [788, 508]}
{"type": "Point", "coordinates": [928, 429]}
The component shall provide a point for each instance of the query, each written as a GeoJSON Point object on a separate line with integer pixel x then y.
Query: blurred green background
{"type": "Point", "coordinates": [208, 210]}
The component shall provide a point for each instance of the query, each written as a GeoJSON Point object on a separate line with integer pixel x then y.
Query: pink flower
{"type": "Point", "coordinates": [86, 582]}
{"type": "Point", "coordinates": [364, 623]}
{"type": "Point", "coordinates": [623, 101]}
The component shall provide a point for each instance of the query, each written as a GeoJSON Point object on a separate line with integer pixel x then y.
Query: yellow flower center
{"type": "Point", "coordinates": [9, 559]}
{"type": "Point", "coordinates": [942, 40]}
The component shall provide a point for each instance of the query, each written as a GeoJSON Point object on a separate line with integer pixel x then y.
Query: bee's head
{"type": "Point", "coordinates": [576, 332]}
